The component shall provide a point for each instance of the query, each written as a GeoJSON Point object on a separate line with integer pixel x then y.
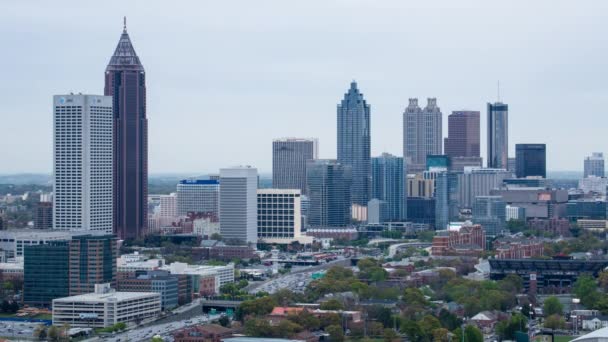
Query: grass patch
{"type": "Point", "coordinates": [562, 338]}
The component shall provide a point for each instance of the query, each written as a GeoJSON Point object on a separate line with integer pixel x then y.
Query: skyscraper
{"type": "Point", "coordinates": [92, 261]}
{"type": "Point", "coordinates": [530, 160]}
{"type": "Point", "coordinates": [354, 142]}
{"type": "Point", "coordinates": [125, 81]}
{"type": "Point", "coordinates": [329, 191]}
{"type": "Point", "coordinates": [463, 134]}
{"type": "Point", "coordinates": [289, 157]}
{"type": "Point", "coordinates": [594, 165]}
{"type": "Point", "coordinates": [82, 163]}
{"type": "Point", "coordinates": [46, 271]}
{"type": "Point", "coordinates": [490, 213]}
{"type": "Point", "coordinates": [498, 135]}
{"type": "Point", "coordinates": [280, 216]}
{"type": "Point", "coordinates": [388, 185]}
{"type": "Point", "coordinates": [239, 204]}
{"type": "Point", "coordinates": [198, 196]}
{"type": "Point", "coordinates": [422, 133]}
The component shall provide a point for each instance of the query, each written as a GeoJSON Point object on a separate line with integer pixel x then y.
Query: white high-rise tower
{"type": "Point", "coordinates": [82, 162]}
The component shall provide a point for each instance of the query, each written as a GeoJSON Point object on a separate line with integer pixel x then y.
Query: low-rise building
{"type": "Point", "coordinates": [552, 226]}
{"type": "Point", "coordinates": [516, 248]}
{"type": "Point", "coordinates": [153, 281]}
{"type": "Point", "coordinates": [105, 307]}
{"type": "Point", "coordinates": [333, 233]}
{"type": "Point", "coordinates": [204, 280]}
{"type": "Point", "coordinates": [461, 238]}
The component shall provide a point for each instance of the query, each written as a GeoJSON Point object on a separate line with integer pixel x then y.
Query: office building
{"type": "Point", "coordinates": [153, 281]}
{"type": "Point", "coordinates": [198, 196]}
{"type": "Point", "coordinates": [593, 184]}
{"type": "Point", "coordinates": [594, 165]}
{"type": "Point", "coordinates": [239, 204]}
{"type": "Point", "coordinates": [125, 82]}
{"type": "Point", "coordinates": [105, 307]}
{"type": "Point", "coordinates": [13, 241]}
{"type": "Point", "coordinates": [329, 191]}
{"type": "Point", "coordinates": [463, 134]}
{"type": "Point", "coordinates": [587, 209]}
{"type": "Point", "coordinates": [498, 135]}
{"type": "Point", "coordinates": [46, 271]}
{"type": "Point", "coordinates": [459, 239]}
{"type": "Point", "coordinates": [538, 202]}
{"type": "Point", "coordinates": [92, 261]}
{"type": "Point", "coordinates": [82, 163]}
{"type": "Point", "coordinates": [530, 160]}
{"type": "Point", "coordinates": [422, 133]}
{"type": "Point", "coordinates": [44, 215]}
{"type": "Point", "coordinates": [289, 158]}
{"type": "Point", "coordinates": [377, 211]}
{"type": "Point", "coordinates": [437, 161]}
{"type": "Point", "coordinates": [167, 206]}
{"type": "Point", "coordinates": [490, 213]}
{"type": "Point", "coordinates": [515, 213]}
{"type": "Point", "coordinates": [419, 186]}
{"type": "Point", "coordinates": [354, 142]}
{"type": "Point", "coordinates": [280, 217]}
{"type": "Point", "coordinates": [459, 164]}
{"type": "Point", "coordinates": [387, 185]}
{"type": "Point", "coordinates": [475, 182]}
{"type": "Point", "coordinates": [446, 205]}
{"type": "Point", "coordinates": [421, 210]}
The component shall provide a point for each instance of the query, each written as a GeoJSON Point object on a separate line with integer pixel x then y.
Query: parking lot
{"type": "Point", "coordinates": [17, 330]}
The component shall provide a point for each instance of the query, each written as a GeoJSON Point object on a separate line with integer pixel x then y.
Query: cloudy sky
{"type": "Point", "coordinates": [226, 77]}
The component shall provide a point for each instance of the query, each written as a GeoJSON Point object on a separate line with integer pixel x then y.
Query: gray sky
{"type": "Point", "coordinates": [225, 77]}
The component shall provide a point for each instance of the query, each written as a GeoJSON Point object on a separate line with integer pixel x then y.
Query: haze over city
{"type": "Point", "coordinates": [225, 78]}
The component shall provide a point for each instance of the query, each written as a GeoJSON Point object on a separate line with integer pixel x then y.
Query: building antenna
{"type": "Point", "coordinates": [124, 27]}
{"type": "Point", "coordinates": [498, 90]}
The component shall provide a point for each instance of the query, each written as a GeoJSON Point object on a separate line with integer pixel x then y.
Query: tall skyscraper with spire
{"type": "Point", "coordinates": [125, 81]}
{"type": "Point", "coordinates": [354, 142]}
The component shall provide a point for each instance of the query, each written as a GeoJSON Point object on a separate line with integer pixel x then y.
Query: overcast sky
{"type": "Point", "coordinates": [226, 77]}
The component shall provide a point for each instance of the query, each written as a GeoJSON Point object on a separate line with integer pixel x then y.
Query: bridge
{"type": "Point", "coordinates": [393, 249]}
{"type": "Point", "coordinates": [220, 305]}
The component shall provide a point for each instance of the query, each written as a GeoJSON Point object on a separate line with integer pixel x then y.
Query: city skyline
{"type": "Point", "coordinates": [318, 78]}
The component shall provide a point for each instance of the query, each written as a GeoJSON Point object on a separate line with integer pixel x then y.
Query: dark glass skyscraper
{"type": "Point", "coordinates": [388, 185]}
{"type": "Point", "coordinates": [329, 191]}
{"type": "Point", "coordinates": [498, 135]}
{"type": "Point", "coordinates": [125, 81]}
{"type": "Point", "coordinates": [530, 160]}
{"type": "Point", "coordinates": [354, 142]}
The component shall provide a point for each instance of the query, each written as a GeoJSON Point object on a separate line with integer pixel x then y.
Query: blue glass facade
{"type": "Point", "coordinates": [354, 142]}
{"type": "Point", "coordinates": [388, 184]}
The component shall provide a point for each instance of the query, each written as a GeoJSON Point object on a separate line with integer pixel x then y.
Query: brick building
{"type": "Point", "coordinates": [509, 248]}
{"type": "Point", "coordinates": [461, 238]}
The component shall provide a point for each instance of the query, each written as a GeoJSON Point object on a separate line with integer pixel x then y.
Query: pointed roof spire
{"type": "Point", "coordinates": [124, 55]}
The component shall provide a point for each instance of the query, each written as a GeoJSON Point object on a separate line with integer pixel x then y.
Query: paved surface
{"type": "Point", "coordinates": [15, 331]}
{"type": "Point", "coordinates": [162, 329]}
{"type": "Point", "coordinates": [295, 281]}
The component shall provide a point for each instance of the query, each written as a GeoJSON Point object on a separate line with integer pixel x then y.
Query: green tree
{"type": "Point", "coordinates": [306, 320]}
{"type": "Point", "coordinates": [411, 329]}
{"type": "Point", "coordinates": [53, 333]}
{"type": "Point", "coordinates": [287, 328]}
{"type": "Point", "coordinates": [554, 322]}
{"type": "Point", "coordinates": [471, 334]}
{"type": "Point", "coordinates": [332, 304]}
{"type": "Point", "coordinates": [157, 339]}
{"type": "Point", "coordinates": [552, 306]}
{"type": "Point", "coordinates": [413, 296]}
{"type": "Point", "coordinates": [389, 335]}
{"type": "Point", "coordinates": [335, 333]}
{"type": "Point", "coordinates": [441, 335]}
{"type": "Point", "coordinates": [40, 332]}
{"type": "Point", "coordinates": [258, 327]}
{"type": "Point", "coordinates": [585, 288]}
{"type": "Point", "coordinates": [506, 329]}
{"type": "Point", "coordinates": [427, 325]}
{"type": "Point", "coordinates": [330, 319]}
{"type": "Point", "coordinates": [224, 321]}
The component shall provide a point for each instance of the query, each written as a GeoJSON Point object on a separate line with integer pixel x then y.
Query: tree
{"type": "Point", "coordinates": [332, 304]}
{"type": "Point", "coordinates": [224, 321]}
{"type": "Point", "coordinates": [258, 327]}
{"type": "Point", "coordinates": [390, 335]}
{"type": "Point", "coordinates": [414, 296]}
{"type": "Point", "coordinates": [335, 333]}
{"type": "Point", "coordinates": [441, 335]}
{"type": "Point", "coordinates": [552, 306]}
{"type": "Point", "coordinates": [215, 236]}
{"type": "Point", "coordinates": [449, 320]}
{"type": "Point", "coordinates": [585, 288]}
{"type": "Point", "coordinates": [157, 339]}
{"type": "Point", "coordinates": [555, 322]}
{"type": "Point", "coordinates": [306, 320]}
{"type": "Point", "coordinates": [40, 332]}
{"type": "Point", "coordinates": [506, 329]}
{"type": "Point", "coordinates": [287, 328]}
{"type": "Point", "coordinates": [428, 324]}
{"type": "Point", "coordinates": [256, 307]}
{"type": "Point", "coordinates": [53, 333]}
{"type": "Point", "coordinates": [471, 334]}
{"type": "Point", "coordinates": [411, 329]}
